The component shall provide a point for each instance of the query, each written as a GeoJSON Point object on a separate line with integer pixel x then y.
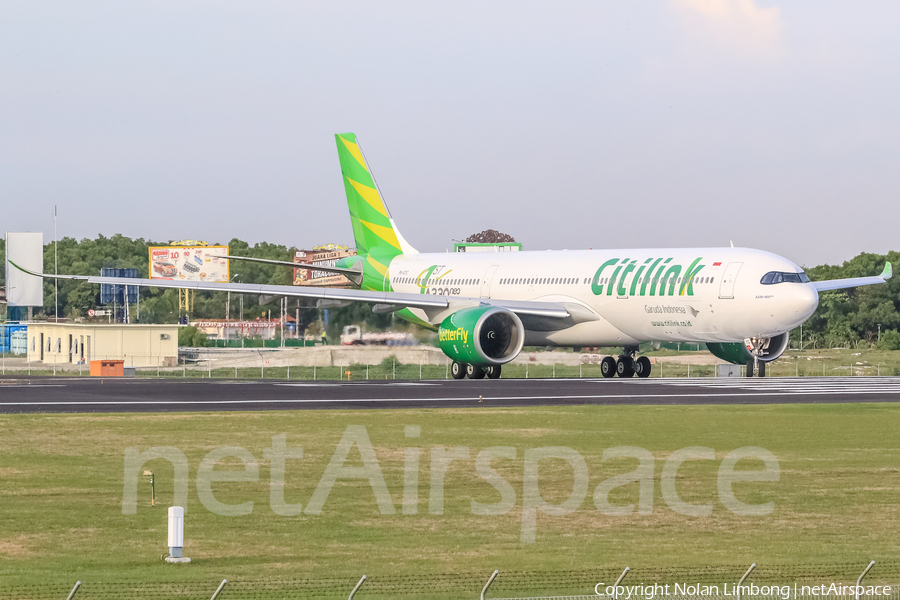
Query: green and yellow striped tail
{"type": "Point", "coordinates": [376, 236]}
{"type": "Point", "coordinates": [373, 227]}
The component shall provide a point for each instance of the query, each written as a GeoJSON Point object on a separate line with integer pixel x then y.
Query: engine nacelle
{"type": "Point", "coordinates": [739, 354]}
{"type": "Point", "coordinates": [483, 336]}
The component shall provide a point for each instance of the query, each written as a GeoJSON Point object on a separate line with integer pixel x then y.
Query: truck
{"type": "Point", "coordinates": [353, 336]}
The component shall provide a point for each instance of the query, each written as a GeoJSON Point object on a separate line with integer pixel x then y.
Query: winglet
{"type": "Point", "coordinates": [888, 271]}
{"type": "Point", "coordinates": [24, 270]}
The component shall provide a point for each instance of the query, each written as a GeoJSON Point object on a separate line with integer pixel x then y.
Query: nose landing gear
{"type": "Point", "coordinates": [757, 346]}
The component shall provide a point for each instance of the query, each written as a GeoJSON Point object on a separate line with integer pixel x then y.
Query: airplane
{"type": "Point", "coordinates": [485, 306]}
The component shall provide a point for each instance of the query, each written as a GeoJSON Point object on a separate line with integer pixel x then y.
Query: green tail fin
{"type": "Point", "coordinates": [373, 227]}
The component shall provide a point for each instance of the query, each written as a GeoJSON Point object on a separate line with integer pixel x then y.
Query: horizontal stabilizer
{"type": "Point", "coordinates": [353, 274]}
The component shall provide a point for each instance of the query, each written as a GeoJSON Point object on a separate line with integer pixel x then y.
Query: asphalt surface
{"type": "Point", "coordinates": [63, 395]}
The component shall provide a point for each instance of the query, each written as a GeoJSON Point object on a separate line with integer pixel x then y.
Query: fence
{"type": "Point", "coordinates": [782, 582]}
{"type": "Point", "coordinates": [155, 366]}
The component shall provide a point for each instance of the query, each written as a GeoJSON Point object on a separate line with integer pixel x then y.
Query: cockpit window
{"type": "Point", "coordinates": [773, 277]}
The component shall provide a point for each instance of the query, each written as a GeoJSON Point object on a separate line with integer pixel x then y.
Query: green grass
{"type": "Point", "coordinates": [61, 487]}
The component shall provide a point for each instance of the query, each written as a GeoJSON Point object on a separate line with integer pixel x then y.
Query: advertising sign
{"type": "Point", "coordinates": [327, 256]}
{"type": "Point", "coordinates": [115, 294]}
{"type": "Point", "coordinates": [189, 263]}
{"type": "Point", "coordinates": [222, 329]}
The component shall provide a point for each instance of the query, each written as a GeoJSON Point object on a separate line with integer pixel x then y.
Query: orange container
{"type": "Point", "coordinates": [107, 368]}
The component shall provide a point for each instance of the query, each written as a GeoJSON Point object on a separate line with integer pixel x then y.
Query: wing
{"type": "Point", "coordinates": [839, 284]}
{"type": "Point", "coordinates": [353, 274]}
{"type": "Point", "coordinates": [535, 315]}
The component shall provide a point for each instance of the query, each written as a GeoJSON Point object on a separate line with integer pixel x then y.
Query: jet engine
{"type": "Point", "coordinates": [482, 336]}
{"type": "Point", "coordinates": [739, 353]}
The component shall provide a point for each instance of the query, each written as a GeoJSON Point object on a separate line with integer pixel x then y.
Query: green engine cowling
{"type": "Point", "coordinates": [738, 353]}
{"type": "Point", "coordinates": [483, 336]}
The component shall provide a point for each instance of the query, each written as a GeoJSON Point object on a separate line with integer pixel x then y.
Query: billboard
{"type": "Point", "coordinates": [327, 256]}
{"type": "Point", "coordinates": [115, 294]}
{"type": "Point", "coordinates": [27, 251]}
{"type": "Point", "coordinates": [189, 263]}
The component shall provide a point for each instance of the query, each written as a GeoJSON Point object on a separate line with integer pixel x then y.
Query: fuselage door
{"type": "Point", "coordinates": [486, 281]}
{"type": "Point", "coordinates": [726, 288]}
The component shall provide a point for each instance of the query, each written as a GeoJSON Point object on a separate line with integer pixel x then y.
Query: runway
{"type": "Point", "coordinates": [85, 395]}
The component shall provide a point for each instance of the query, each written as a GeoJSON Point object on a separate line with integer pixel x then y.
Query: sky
{"type": "Point", "coordinates": [678, 123]}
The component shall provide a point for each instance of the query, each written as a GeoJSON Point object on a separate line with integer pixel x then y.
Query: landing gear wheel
{"type": "Point", "coordinates": [642, 367]}
{"type": "Point", "coordinates": [493, 372]}
{"type": "Point", "coordinates": [750, 366]}
{"type": "Point", "coordinates": [473, 372]}
{"type": "Point", "coordinates": [625, 366]}
{"type": "Point", "coordinates": [761, 371]}
{"type": "Point", "coordinates": [457, 370]}
{"type": "Point", "coordinates": [608, 366]}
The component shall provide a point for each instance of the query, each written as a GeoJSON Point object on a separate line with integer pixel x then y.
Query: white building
{"type": "Point", "coordinates": [78, 343]}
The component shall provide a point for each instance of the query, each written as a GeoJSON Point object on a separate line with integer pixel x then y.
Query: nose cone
{"type": "Point", "coordinates": [802, 301]}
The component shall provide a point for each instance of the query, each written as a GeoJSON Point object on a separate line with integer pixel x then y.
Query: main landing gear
{"type": "Point", "coordinates": [460, 370]}
{"type": "Point", "coordinates": [626, 365]}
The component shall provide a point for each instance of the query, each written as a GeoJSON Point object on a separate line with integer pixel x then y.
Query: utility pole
{"type": "Point", "coordinates": [228, 303]}
{"type": "Point", "coordinates": [55, 264]}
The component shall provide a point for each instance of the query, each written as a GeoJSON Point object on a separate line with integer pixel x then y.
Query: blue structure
{"type": "Point", "coordinates": [16, 313]}
{"type": "Point", "coordinates": [7, 337]}
{"type": "Point", "coordinates": [115, 294]}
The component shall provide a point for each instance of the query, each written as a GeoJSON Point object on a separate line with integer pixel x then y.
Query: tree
{"type": "Point", "coordinates": [191, 337]}
{"type": "Point", "coordinates": [490, 236]}
{"type": "Point", "coordinates": [852, 315]}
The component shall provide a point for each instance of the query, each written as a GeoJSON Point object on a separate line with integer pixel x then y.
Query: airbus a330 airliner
{"type": "Point", "coordinates": [485, 306]}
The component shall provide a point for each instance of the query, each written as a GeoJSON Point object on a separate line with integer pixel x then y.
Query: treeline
{"type": "Point", "coordinates": [851, 318]}
{"type": "Point", "coordinates": [845, 318]}
{"type": "Point", "coordinates": [89, 256]}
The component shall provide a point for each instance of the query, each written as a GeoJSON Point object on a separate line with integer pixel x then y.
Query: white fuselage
{"type": "Point", "coordinates": [685, 294]}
